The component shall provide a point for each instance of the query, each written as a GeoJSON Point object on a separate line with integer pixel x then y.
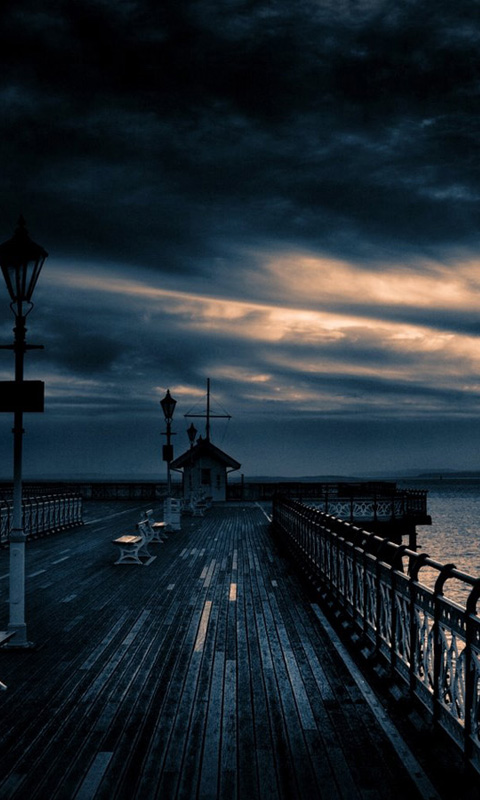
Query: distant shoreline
{"type": "Point", "coordinates": [436, 475]}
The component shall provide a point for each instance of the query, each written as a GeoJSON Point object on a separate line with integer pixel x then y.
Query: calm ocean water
{"type": "Point", "coordinates": [454, 535]}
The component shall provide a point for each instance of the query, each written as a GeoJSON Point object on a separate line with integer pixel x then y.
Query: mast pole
{"type": "Point", "coordinates": [208, 416]}
{"type": "Point", "coordinates": [208, 410]}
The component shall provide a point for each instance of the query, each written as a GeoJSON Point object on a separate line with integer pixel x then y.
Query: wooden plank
{"type": "Point", "coordinates": [284, 764]}
{"type": "Point", "coordinates": [209, 773]}
{"type": "Point", "coordinates": [292, 697]}
{"type": "Point", "coordinates": [228, 754]}
{"type": "Point", "coordinates": [325, 746]}
{"type": "Point", "coordinates": [134, 740]}
{"type": "Point", "coordinates": [175, 727]}
{"type": "Point", "coordinates": [195, 735]}
{"type": "Point", "coordinates": [247, 680]}
{"type": "Point", "coordinates": [93, 778]}
{"type": "Point", "coordinates": [209, 781]}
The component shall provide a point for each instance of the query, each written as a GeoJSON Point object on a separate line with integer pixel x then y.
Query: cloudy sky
{"type": "Point", "coordinates": [280, 196]}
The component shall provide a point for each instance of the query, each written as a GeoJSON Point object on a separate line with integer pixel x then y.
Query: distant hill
{"type": "Point", "coordinates": [295, 479]}
{"type": "Point", "coordinates": [412, 474]}
{"type": "Point", "coordinates": [450, 474]}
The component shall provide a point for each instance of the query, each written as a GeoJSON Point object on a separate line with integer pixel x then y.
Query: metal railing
{"type": "Point", "coordinates": [390, 502]}
{"type": "Point", "coordinates": [376, 508]}
{"type": "Point", "coordinates": [43, 515]}
{"type": "Point", "coordinates": [429, 642]}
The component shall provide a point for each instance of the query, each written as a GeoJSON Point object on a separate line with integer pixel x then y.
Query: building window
{"type": "Point", "coordinates": [206, 477]}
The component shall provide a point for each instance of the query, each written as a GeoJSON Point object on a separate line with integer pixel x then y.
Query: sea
{"type": "Point", "coordinates": [454, 535]}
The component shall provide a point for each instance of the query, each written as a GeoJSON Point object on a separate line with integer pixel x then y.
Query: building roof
{"type": "Point", "coordinates": [204, 448]}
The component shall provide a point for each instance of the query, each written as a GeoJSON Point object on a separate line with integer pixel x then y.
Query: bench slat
{"type": "Point", "coordinates": [127, 540]}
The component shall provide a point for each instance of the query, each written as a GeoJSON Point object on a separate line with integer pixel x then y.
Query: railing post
{"type": "Point", "coordinates": [443, 576]}
{"type": "Point", "coordinates": [365, 593]}
{"type": "Point", "coordinates": [397, 566]}
{"type": "Point", "coordinates": [470, 671]}
{"type": "Point", "coordinates": [414, 568]}
{"type": "Point", "coordinates": [355, 580]}
{"type": "Point", "coordinates": [378, 594]}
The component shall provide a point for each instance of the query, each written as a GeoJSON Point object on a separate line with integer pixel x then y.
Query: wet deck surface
{"type": "Point", "coordinates": [202, 675]}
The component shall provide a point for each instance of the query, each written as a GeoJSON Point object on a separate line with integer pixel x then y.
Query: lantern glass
{"type": "Point", "coordinates": [168, 405]}
{"type": "Point", "coordinates": [21, 261]}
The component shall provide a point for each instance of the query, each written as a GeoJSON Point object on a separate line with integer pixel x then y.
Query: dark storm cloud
{"type": "Point", "coordinates": [153, 132]}
{"type": "Point", "coordinates": [196, 142]}
{"type": "Point", "coordinates": [82, 351]}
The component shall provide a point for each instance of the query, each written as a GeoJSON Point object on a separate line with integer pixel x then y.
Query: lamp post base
{"type": "Point", "coordinates": [19, 641]}
{"type": "Point", "coordinates": [171, 514]}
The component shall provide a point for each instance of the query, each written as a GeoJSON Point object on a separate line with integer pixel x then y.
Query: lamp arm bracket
{"type": "Point", "coordinates": [24, 346]}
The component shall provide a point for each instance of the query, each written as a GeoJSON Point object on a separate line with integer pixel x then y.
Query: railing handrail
{"type": "Point", "coordinates": [406, 554]}
{"type": "Point", "coordinates": [428, 641]}
{"type": "Point", "coordinates": [43, 514]}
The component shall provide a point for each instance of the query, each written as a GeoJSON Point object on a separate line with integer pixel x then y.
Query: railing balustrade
{"type": "Point", "coordinates": [43, 515]}
{"type": "Point", "coordinates": [429, 642]}
{"type": "Point", "coordinates": [373, 507]}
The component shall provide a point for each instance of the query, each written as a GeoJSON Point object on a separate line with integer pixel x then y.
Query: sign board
{"type": "Point", "coordinates": [168, 452]}
{"type": "Point", "coordinates": [22, 395]}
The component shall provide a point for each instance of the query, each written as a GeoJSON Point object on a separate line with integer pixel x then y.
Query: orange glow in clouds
{"type": "Point", "coordinates": [300, 332]}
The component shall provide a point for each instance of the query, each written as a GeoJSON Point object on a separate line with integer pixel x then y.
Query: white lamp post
{"type": "Point", "coordinates": [21, 261]}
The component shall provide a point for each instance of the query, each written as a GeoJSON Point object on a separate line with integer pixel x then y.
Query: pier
{"type": "Point", "coordinates": [211, 672]}
{"type": "Point", "coordinates": [380, 507]}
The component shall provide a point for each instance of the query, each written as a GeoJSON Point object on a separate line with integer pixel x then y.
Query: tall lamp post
{"type": "Point", "coordinates": [168, 407]}
{"type": "Point", "coordinates": [21, 261]}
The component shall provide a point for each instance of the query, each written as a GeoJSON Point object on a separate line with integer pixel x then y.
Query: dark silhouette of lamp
{"type": "Point", "coordinates": [21, 261]}
{"type": "Point", "coordinates": [191, 433]}
{"type": "Point", "coordinates": [168, 407]}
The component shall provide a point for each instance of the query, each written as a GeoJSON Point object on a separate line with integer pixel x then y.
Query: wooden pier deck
{"type": "Point", "coordinates": [203, 675]}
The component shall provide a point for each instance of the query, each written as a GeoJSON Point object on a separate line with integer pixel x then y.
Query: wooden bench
{"type": "Point", "coordinates": [132, 549]}
{"type": "Point", "coordinates": [158, 528]}
{"type": "Point", "coordinates": [148, 534]}
{"type": "Point", "coordinates": [198, 504]}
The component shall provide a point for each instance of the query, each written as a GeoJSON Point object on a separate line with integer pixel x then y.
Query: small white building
{"type": "Point", "coordinates": [205, 468]}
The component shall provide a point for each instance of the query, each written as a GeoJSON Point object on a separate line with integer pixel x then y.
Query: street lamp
{"type": "Point", "coordinates": [191, 433]}
{"type": "Point", "coordinates": [168, 407]}
{"type": "Point", "coordinates": [21, 261]}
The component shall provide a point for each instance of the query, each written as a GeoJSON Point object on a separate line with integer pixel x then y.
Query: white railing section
{"type": "Point", "coordinates": [429, 642]}
{"type": "Point", "coordinates": [43, 515]}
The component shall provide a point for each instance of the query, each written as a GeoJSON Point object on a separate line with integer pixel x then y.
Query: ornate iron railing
{"type": "Point", "coordinates": [430, 642]}
{"type": "Point", "coordinates": [373, 507]}
{"type": "Point", "coordinates": [390, 501]}
{"type": "Point", "coordinates": [43, 515]}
